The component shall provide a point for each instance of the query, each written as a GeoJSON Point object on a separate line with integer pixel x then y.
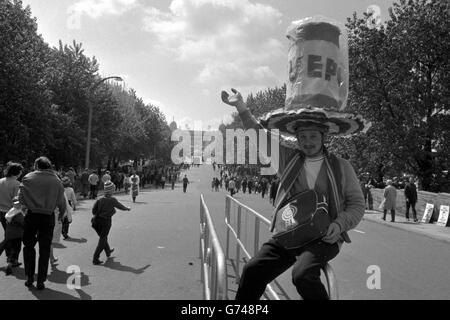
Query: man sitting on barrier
{"type": "Point", "coordinates": [306, 168]}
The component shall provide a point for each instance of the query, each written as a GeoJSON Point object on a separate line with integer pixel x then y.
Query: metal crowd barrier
{"type": "Point", "coordinates": [213, 264]}
{"type": "Point", "coordinates": [270, 293]}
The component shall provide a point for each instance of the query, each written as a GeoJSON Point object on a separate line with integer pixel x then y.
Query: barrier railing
{"type": "Point", "coordinates": [213, 264]}
{"type": "Point", "coordinates": [238, 234]}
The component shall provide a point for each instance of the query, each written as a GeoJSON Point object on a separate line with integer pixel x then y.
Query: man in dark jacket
{"type": "Point", "coordinates": [411, 198]}
{"type": "Point", "coordinates": [40, 193]}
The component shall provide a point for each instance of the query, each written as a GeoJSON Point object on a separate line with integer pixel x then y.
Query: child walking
{"type": "Point", "coordinates": [103, 210]}
{"type": "Point", "coordinates": [13, 233]}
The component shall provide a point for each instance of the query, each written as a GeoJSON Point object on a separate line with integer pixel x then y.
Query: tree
{"type": "Point", "coordinates": [399, 80]}
{"type": "Point", "coordinates": [25, 125]}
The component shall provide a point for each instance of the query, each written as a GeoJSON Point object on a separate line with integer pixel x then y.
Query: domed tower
{"type": "Point", "coordinates": [173, 126]}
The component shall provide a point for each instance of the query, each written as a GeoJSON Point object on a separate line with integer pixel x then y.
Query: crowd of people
{"type": "Point", "coordinates": [409, 185]}
{"type": "Point", "coordinates": [236, 179]}
{"type": "Point", "coordinates": [37, 204]}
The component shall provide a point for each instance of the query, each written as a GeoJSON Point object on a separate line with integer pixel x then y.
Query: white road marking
{"type": "Point", "coordinates": [359, 231]}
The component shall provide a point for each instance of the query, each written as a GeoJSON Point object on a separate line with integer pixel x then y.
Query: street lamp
{"type": "Point", "coordinates": [94, 87]}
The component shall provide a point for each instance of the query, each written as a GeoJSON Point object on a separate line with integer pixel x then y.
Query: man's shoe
{"type": "Point", "coordinates": [40, 286]}
{"type": "Point", "coordinates": [109, 253]}
{"type": "Point", "coordinates": [29, 282]}
{"type": "Point", "coordinates": [97, 262]}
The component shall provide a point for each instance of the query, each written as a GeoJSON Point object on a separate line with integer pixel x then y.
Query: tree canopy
{"type": "Point", "coordinates": [399, 80]}
{"type": "Point", "coordinates": [45, 95]}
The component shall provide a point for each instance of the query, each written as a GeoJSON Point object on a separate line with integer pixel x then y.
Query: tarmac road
{"type": "Point", "coordinates": [156, 253]}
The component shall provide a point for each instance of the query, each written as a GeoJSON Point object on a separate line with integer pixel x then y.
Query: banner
{"type": "Point", "coordinates": [443, 216]}
{"type": "Point", "coordinates": [428, 213]}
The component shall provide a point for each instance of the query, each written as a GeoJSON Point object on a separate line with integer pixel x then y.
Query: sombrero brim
{"type": "Point", "coordinates": [338, 123]}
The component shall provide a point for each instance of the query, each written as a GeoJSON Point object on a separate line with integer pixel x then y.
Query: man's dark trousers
{"type": "Point", "coordinates": [37, 228]}
{"type": "Point", "coordinates": [272, 260]}
{"type": "Point", "coordinates": [102, 229]}
{"type": "Point", "coordinates": [413, 207]}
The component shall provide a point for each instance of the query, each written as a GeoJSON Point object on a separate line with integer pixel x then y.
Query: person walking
{"type": "Point", "coordinates": [84, 180]}
{"type": "Point", "coordinates": [390, 200]}
{"type": "Point", "coordinates": [13, 235]}
{"type": "Point", "coordinates": [273, 190]}
{"type": "Point", "coordinates": [411, 198]}
{"type": "Point", "coordinates": [93, 181]}
{"type": "Point", "coordinates": [232, 187]}
{"type": "Point", "coordinates": [103, 211]}
{"type": "Point", "coordinates": [185, 183]}
{"type": "Point", "coordinates": [174, 179]}
{"type": "Point", "coordinates": [244, 185]}
{"type": "Point", "coordinates": [134, 179]}
{"type": "Point", "coordinates": [40, 192]}
{"type": "Point", "coordinates": [9, 188]}
{"type": "Point", "coordinates": [71, 175]}
{"type": "Point", "coordinates": [72, 203]}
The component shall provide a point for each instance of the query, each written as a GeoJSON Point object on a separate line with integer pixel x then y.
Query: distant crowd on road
{"type": "Point", "coordinates": [236, 179]}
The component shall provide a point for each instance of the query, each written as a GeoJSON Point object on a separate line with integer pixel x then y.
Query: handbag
{"type": "Point", "coordinates": [303, 219]}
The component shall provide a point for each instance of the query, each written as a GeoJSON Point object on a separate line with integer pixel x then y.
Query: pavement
{"type": "Point", "coordinates": [430, 230]}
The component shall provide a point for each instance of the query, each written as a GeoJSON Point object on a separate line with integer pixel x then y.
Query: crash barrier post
{"type": "Point", "coordinates": [213, 265]}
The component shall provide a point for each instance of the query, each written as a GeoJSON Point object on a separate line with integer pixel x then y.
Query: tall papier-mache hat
{"type": "Point", "coordinates": [317, 91]}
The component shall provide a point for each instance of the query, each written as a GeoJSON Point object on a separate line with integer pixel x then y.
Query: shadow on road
{"type": "Point", "coordinates": [82, 240]}
{"type": "Point", "coordinates": [58, 246]}
{"type": "Point", "coordinates": [116, 265]}
{"type": "Point", "coordinates": [50, 294]}
{"type": "Point", "coordinates": [61, 277]}
{"type": "Point", "coordinates": [18, 273]}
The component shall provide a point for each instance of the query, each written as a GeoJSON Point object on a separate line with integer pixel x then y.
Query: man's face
{"type": "Point", "coordinates": [310, 142]}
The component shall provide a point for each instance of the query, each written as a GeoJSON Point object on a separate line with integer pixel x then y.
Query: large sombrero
{"type": "Point", "coordinates": [318, 82]}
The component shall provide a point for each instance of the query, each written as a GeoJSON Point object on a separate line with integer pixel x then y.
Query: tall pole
{"type": "Point", "coordinates": [88, 144]}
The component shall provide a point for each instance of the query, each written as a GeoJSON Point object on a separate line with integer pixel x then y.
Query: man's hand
{"type": "Point", "coordinates": [333, 233]}
{"type": "Point", "coordinates": [234, 100]}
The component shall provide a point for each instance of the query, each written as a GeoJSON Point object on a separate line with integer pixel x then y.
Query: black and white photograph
{"type": "Point", "coordinates": [225, 154]}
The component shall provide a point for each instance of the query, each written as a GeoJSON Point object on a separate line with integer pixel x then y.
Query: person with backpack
{"type": "Point", "coordinates": [185, 183]}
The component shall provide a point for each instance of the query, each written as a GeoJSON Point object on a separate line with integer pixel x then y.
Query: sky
{"type": "Point", "coordinates": [180, 54]}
